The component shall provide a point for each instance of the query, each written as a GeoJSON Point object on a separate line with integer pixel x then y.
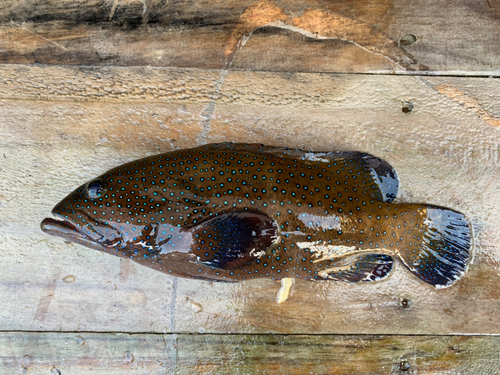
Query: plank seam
{"type": "Point", "coordinates": [437, 73]}
{"type": "Point", "coordinates": [175, 334]}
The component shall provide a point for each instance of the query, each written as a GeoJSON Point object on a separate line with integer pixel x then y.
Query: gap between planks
{"type": "Point", "coordinates": [437, 73]}
{"type": "Point", "coordinates": [437, 335]}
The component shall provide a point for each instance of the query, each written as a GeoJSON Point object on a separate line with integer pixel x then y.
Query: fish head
{"type": "Point", "coordinates": [133, 213]}
{"type": "Point", "coordinates": [87, 215]}
{"type": "Point", "coordinates": [116, 212]}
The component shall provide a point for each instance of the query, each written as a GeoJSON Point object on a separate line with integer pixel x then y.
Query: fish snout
{"type": "Point", "coordinates": [68, 231]}
{"type": "Point", "coordinates": [47, 225]}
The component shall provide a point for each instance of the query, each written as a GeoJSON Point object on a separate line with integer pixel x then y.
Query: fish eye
{"type": "Point", "coordinates": [95, 189]}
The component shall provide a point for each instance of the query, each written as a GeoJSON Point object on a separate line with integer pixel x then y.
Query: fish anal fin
{"type": "Point", "coordinates": [356, 268]}
{"type": "Point", "coordinates": [233, 240]}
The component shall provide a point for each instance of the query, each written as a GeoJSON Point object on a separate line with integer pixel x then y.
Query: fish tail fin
{"type": "Point", "coordinates": [438, 245]}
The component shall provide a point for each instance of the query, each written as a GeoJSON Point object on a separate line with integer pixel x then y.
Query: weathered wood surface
{"type": "Point", "coordinates": [109, 353]}
{"type": "Point", "coordinates": [287, 35]}
{"type": "Point", "coordinates": [62, 126]}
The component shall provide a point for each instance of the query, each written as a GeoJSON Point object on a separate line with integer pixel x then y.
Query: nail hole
{"type": "Point", "coordinates": [27, 361]}
{"type": "Point", "coordinates": [407, 107]}
{"type": "Point", "coordinates": [128, 357]}
{"type": "Point", "coordinates": [404, 303]}
{"type": "Point", "coordinates": [404, 366]}
{"type": "Point", "coordinates": [407, 40]}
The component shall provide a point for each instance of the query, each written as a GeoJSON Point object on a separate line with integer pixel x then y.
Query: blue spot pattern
{"type": "Point", "coordinates": [232, 212]}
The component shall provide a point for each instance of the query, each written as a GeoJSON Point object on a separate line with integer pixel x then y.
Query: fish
{"type": "Point", "coordinates": [233, 212]}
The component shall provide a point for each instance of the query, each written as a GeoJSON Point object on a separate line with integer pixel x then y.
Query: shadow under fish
{"type": "Point", "coordinates": [232, 212]}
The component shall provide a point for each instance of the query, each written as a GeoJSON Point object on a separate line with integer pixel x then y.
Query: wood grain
{"type": "Point", "coordinates": [317, 36]}
{"type": "Point", "coordinates": [62, 126]}
{"type": "Point", "coordinates": [149, 76]}
{"type": "Point", "coordinates": [109, 353]}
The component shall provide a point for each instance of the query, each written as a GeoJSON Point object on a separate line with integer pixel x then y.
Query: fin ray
{"type": "Point", "coordinates": [356, 268]}
{"type": "Point", "coordinates": [443, 253]}
{"type": "Point", "coordinates": [233, 240]}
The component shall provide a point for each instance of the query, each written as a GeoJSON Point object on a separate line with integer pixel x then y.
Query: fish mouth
{"type": "Point", "coordinates": [68, 231]}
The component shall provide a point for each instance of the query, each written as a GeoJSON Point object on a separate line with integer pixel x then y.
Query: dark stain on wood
{"type": "Point", "coordinates": [189, 34]}
{"type": "Point", "coordinates": [42, 108]}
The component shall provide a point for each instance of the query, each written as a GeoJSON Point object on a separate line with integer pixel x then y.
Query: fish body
{"type": "Point", "coordinates": [232, 212]}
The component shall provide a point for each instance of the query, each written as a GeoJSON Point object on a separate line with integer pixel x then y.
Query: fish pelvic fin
{"type": "Point", "coordinates": [356, 268]}
{"type": "Point", "coordinates": [438, 248]}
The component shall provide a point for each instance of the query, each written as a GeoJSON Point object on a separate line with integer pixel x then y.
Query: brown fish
{"type": "Point", "coordinates": [232, 212]}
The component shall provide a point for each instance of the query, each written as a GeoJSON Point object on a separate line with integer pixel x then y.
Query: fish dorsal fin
{"type": "Point", "coordinates": [233, 240]}
{"type": "Point", "coordinates": [355, 268]}
{"type": "Point", "coordinates": [378, 179]}
{"type": "Point", "coordinates": [384, 177]}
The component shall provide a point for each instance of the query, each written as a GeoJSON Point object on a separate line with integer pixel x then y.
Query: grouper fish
{"type": "Point", "coordinates": [233, 212]}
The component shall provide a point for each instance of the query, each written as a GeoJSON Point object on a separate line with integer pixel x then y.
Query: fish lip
{"type": "Point", "coordinates": [67, 230]}
{"type": "Point", "coordinates": [48, 225]}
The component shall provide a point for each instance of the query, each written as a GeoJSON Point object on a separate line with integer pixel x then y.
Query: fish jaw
{"type": "Point", "coordinates": [65, 229]}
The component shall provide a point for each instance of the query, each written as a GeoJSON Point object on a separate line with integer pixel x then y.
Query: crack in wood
{"type": "Point", "coordinates": [210, 109]}
{"type": "Point", "coordinates": [39, 36]}
{"type": "Point", "coordinates": [113, 9]}
{"type": "Point", "coordinates": [45, 301]}
{"type": "Point", "coordinates": [317, 24]}
{"type": "Point", "coordinates": [172, 303]}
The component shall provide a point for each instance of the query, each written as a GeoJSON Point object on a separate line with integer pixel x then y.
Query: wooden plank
{"type": "Point", "coordinates": [109, 353]}
{"type": "Point", "coordinates": [62, 126]}
{"type": "Point", "coordinates": [86, 353]}
{"type": "Point", "coordinates": [341, 36]}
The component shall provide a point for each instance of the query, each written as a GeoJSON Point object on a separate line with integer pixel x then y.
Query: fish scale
{"type": "Point", "coordinates": [232, 212]}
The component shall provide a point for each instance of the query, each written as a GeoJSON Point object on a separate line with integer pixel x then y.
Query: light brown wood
{"type": "Point", "coordinates": [317, 36]}
{"type": "Point", "coordinates": [149, 76]}
{"type": "Point", "coordinates": [63, 126]}
{"type": "Point", "coordinates": [109, 353]}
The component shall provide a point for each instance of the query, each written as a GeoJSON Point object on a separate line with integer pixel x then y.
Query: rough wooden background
{"type": "Point", "coordinates": [143, 77]}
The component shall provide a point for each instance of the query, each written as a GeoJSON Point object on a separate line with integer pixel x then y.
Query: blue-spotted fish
{"type": "Point", "coordinates": [231, 212]}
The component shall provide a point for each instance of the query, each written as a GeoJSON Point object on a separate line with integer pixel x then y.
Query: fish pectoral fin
{"type": "Point", "coordinates": [355, 268]}
{"type": "Point", "coordinates": [233, 240]}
